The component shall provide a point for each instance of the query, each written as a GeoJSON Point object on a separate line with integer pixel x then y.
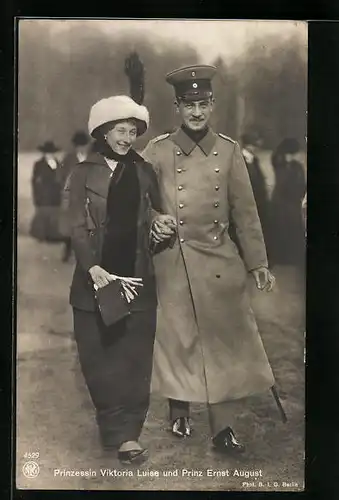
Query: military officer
{"type": "Point", "coordinates": [207, 348]}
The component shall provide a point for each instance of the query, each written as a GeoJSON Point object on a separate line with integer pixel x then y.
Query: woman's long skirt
{"type": "Point", "coordinates": [116, 362]}
{"type": "Point", "coordinates": [45, 224]}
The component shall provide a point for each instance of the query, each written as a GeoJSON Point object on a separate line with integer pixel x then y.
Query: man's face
{"type": "Point", "coordinates": [122, 136]}
{"type": "Point", "coordinates": [195, 114]}
{"type": "Point", "coordinates": [294, 157]}
{"type": "Point", "coordinates": [250, 147]}
{"type": "Point", "coordinates": [82, 149]}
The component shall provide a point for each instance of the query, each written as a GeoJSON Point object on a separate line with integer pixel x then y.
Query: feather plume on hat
{"type": "Point", "coordinates": [135, 72]}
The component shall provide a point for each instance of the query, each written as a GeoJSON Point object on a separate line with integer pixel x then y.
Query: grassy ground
{"type": "Point", "coordinates": [55, 417]}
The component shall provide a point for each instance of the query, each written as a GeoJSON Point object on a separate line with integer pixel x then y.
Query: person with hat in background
{"type": "Point", "coordinates": [250, 143]}
{"type": "Point", "coordinates": [46, 195]}
{"type": "Point", "coordinates": [207, 348]}
{"type": "Point", "coordinates": [81, 144]}
{"type": "Point", "coordinates": [112, 194]}
{"type": "Point", "coordinates": [286, 225]}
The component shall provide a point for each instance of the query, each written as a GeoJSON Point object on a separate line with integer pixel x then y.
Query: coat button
{"type": "Point", "coordinates": [181, 205]}
{"type": "Point", "coordinates": [180, 188]}
{"type": "Point", "coordinates": [182, 240]}
{"type": "Point", "coordinates": [178, 153]}
{"type": "Point", "coordinates": [215, 153]}
{"type": "Point", "coordinates": [179, 170]}
{"type": "Point", "coordinates": [215, 221]}
{"type": "Point", "coordinates": [181, 222]}
{"type": "Point", "coordinates": [216, 204]}
{"type": "Point", "coordinates": [217, 170]}
{"type": "Point", "coordinates": [215, 237]}
{"type": "Point", "coordinates": [217, 188]}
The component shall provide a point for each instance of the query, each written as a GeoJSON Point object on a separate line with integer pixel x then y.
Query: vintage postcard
{"type": "Point", "coordinates": [166, 161]}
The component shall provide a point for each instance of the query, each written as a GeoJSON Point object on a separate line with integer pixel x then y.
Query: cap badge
{"type": "Point", "coordinates": [195, 85]}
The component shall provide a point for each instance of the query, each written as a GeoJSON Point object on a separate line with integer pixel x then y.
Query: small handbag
{"type": "Point", "coordinates": [112, 303]}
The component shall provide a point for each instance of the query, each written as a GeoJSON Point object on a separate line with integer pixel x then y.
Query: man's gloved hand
{"type": "Point", "coordinates": [264, 279]}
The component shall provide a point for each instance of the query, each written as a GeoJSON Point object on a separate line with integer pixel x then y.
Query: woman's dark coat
{"type": "Point", "coordinates": [46, 192]}
{"type": "Point", "coordinates": [45, 185]}
{"type": "Point", "coordinates": [287, 226]}
{"type": "Point", "coordinates": [89, 185]}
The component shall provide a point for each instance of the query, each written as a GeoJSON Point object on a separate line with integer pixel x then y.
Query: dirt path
{"type": "Point", "coordinates": [56, 418]}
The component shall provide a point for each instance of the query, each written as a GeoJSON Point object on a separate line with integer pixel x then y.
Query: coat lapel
{"type": "Point", "coordinates": [98, 177]}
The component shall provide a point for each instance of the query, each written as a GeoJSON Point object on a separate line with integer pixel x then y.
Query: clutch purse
{"type": "Point", "coordinates": [112, 303]}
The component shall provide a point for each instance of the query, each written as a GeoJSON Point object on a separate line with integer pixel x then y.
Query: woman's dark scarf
{"type": "Point", "coordinates": [120, 243]}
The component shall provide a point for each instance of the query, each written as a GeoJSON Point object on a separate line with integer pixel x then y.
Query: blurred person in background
{"type": "Point", "coordinates": [80, 150]}
{"type": "Point", "coordinates": [46, 195]}
{"type": "Point", "coordinates": [287, 240]}
{"type": "Point", "coordinates": [208, 348]}
{"type": "Point", "coordinates": [251, 144]}
{"type": "Point", "coordinates": [112, 194]}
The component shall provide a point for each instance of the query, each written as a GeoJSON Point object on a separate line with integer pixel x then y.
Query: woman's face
{"type": "Point", "coordinates": [122, 136]}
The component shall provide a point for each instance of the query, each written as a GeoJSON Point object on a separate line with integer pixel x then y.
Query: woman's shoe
{"type": "Point", "coordinates": [133, 456]}
{"type": "Point", "coordinates": [181, 427]}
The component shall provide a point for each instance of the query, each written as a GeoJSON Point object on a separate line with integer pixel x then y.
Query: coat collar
{"type": "Point", "coordinates": [186, 144]}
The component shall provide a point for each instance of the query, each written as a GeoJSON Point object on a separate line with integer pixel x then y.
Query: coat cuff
{"type": "Point", "coordinates": [253, 265]}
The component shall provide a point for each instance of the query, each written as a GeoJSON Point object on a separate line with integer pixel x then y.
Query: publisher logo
{"type": "Point", "coordinates": [30, 469]}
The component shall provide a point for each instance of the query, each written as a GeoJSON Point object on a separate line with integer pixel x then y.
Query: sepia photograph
{"type": "Point", "coordinates": [161, 254]}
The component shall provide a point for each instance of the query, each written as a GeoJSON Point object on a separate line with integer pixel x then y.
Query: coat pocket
{"type": "Point", "coordinates": [89, 219]}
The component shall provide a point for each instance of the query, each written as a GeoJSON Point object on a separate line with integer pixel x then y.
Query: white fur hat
{"type": "Point", "coordinates": [119, 107]}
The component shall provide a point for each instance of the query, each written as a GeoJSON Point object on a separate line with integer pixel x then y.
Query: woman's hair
{"type": "Point", "coordinates": [100, 132]}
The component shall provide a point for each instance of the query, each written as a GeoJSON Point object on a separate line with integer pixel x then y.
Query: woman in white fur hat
{"type": "Point", "coordinates": [112, 195]}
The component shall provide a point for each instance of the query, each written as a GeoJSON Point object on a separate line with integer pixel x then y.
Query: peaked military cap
{"type": "Point", "coordinates": [192, 82]}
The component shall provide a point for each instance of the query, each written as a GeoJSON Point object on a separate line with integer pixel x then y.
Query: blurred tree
{"type": "Point", "coordinates": [273, 81]}
{"type": "Point", "coordinates": [59, 80]}
{"type": "Point", "coordinates": [61, 76]}
{"type": "Point", "coordinates": [226, 117]}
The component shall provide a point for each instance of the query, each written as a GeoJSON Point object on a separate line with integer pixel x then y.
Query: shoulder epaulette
{"type": "Point", "coordinates": [160, 138]}
{"type": "Point", "coordinates": [227, 138]}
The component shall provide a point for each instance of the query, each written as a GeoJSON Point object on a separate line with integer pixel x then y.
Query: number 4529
{"type": "Point", "coordinates": [32, 455]}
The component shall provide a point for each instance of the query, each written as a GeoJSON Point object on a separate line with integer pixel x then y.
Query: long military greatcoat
{"type": "Point", "coordinates": [207, 347]}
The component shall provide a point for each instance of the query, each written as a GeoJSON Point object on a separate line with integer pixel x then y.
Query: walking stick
{"type": "Point", "coordinates": [279, 405]}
